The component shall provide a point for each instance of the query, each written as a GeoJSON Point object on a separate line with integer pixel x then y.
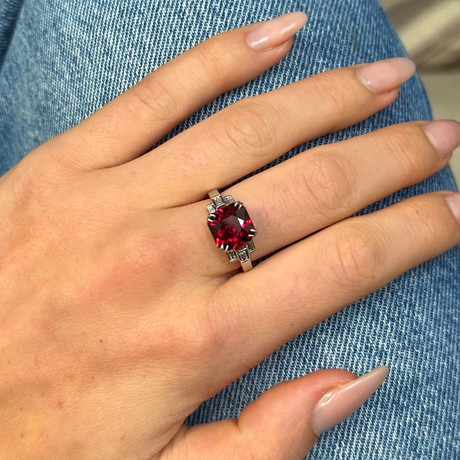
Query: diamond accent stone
{"type": "Point", "coordinates": [232, 256]}
{"type": "Point", "coordinates": [243, 255]}
{"type": "Point", "coordinates": [218, 201]}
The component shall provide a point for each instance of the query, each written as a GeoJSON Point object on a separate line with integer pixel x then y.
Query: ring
{"type": "Point", "coordinates": [231, 228]}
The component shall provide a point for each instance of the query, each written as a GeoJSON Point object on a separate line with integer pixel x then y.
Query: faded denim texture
{"type": "Point", "coordinates": [62, 60]}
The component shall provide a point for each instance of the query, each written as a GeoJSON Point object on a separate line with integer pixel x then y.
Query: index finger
{"type": "Point", "coordinates": [134, 121]}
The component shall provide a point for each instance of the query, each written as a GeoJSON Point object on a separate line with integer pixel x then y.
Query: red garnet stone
{"type": "Point", "coordinates": [231, 226]}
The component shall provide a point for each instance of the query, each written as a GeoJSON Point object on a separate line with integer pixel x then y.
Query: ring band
{"type": "Point", "coordinates": [231, 228]}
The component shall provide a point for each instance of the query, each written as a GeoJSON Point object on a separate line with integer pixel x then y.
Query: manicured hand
{"type": "Point", "coordinates": [118, 314]}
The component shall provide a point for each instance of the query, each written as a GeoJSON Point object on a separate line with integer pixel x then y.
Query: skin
{"type": "Point", "coordinates": [117, 320]}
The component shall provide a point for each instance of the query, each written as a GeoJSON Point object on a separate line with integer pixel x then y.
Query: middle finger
{"type": "Point", "coordinates": [254, 131]}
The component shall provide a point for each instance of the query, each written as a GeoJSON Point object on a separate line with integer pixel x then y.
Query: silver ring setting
{"type": "Point", "coordinates": [232, 228]}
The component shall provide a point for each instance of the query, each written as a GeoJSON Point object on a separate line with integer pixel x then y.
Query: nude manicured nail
{"type": "Point", "coordinates": [341, 401]}
{"type": "Point", "coordinates": [276, 31]}
{"type": "Point", "coordinates": [454, 204]}
{"type": "Point", "coordinates": [444, 135]}
{"type": "Point", "coordinates": [386, 75]}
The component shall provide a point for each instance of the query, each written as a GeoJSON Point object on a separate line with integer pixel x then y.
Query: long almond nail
{"type": "Point", "coordinates": [341, 401]}
{"type": "Point", "coordinates": [382, 76]}
{"type": "Point", "coordinates": [453, 201]}
{"type": "Point", "coordinates": [276, 31]}
{"type": "Point", "coordinates": [444, 135]}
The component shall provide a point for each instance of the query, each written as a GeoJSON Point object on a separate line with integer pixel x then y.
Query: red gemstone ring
{"type": "Point", "coordinates": [231, 228]}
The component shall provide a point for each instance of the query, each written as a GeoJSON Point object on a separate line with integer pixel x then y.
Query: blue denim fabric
{"type": "Point", "coordinates": [60, 61]}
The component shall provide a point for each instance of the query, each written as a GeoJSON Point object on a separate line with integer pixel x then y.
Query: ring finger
{"type": "Point", "coordinates": [329, 183]}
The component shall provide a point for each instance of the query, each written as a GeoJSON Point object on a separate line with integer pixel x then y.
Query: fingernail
{"type": "Point", "coordinates": [276, 31]}
{"type": "Point", "coordinates": [386, 75]}
{"type": "Point", "coordinates": [340, 402]}
{"type": "Point", "coordinates": [444, 135]}
{"type": "Point", "coordinates": [454, 204]}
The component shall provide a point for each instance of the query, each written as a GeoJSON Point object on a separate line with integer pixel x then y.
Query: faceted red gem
{"type": "Point", "coordinates": [231, 226]}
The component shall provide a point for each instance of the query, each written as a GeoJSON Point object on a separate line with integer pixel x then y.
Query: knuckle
{"type": "Point", "coordinates": [188, 339]}
{"type": "Point", "coordinates": [38, 179]}
{"type": "Point", "coordinates": [209, 335]}
{"type": "Point", "coordinates": [195, 337]}
{"type": "Point", "coordinates": [210, 329]}
{"type": "Point", "coordinates": [245, 129]}
{"type": "Point", "coordinates": [327, 182]}
{"type": "Point", "coordinates": [154, 255]}
{"type": "Point", "coordinates": [152, 100]}
{"type": "Point", "coordinates": [357, 256]}
{"type": "Point", "coordinates": [405, 142]}
{"type": "Point", "coordinates": [213, 61]}
{"type": "Point", "coordinates": [427, 219]}
{"type": "Point", "coordinates": [328, 94]}
{"type": "Point", "coordinates": [32, 186]}
{"type": "Point", "coordinates": [258, 451]}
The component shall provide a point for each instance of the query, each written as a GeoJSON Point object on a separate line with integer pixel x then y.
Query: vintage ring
{"type": "Point", "coordinates": [231, 228]}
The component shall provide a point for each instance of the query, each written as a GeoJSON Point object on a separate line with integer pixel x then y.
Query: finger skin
{"type": "Point", "coordinates": [250, 133]}
{"type": "Point", "coordinates": [275, 425]}
{"type": "Point", "coordinates": [134, 121]}
{"type": "Point", "coordinates": [304, 284]}
{"type": "Point", "coordinates": [324, 185]}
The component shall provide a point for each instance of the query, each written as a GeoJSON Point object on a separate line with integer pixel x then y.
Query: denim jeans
{"type": "Point", "coordinates": [61, 60]}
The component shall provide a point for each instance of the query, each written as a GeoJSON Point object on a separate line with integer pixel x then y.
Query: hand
{"type": "Point", "coordinates": [119, 316]}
